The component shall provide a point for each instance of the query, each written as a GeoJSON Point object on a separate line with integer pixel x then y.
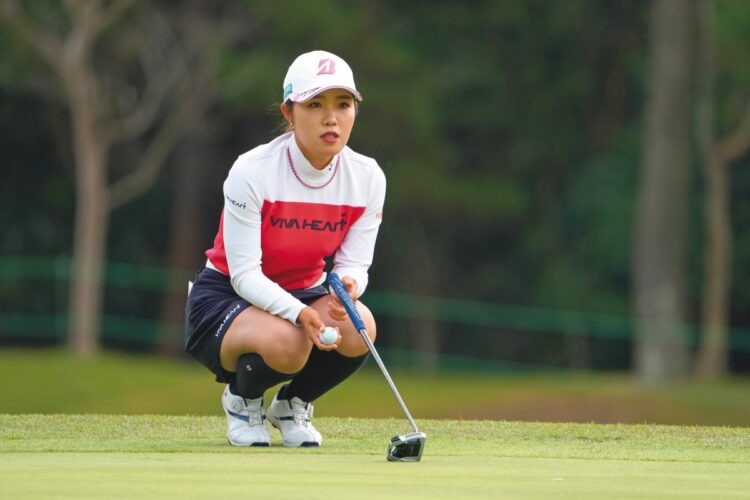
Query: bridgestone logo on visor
{"type": "Point", "coordinates": [326, 67]}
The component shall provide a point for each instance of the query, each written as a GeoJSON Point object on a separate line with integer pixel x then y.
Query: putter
{"type": "Point", "coordinates": [406, 448]}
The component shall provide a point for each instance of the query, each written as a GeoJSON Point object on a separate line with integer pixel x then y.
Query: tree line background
{"type": "Point", "coordinates": [583, 157]}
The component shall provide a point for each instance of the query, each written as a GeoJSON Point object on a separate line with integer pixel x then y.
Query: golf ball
{"type": "Point", "coordinates": [329, 336]}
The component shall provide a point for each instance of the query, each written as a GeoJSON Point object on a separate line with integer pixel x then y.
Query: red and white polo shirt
{"type": "Point", "coordinates": [282, 216]}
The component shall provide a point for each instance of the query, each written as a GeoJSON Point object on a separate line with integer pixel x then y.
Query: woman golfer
{"type": "Point", "coordinates": [257, 309]}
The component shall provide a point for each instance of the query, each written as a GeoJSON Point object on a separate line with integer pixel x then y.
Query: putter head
{"type": "Point", "coordinates": [406, 448]}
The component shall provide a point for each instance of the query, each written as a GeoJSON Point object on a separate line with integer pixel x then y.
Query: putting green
{"type": "Point", "coordinates": [98, 456]}
{"type": "Point", "coordinates": [254, 474]}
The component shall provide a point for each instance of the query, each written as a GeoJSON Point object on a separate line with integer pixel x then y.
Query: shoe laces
{"type": "Point", "coordinates": [254, 413]}
{"type": "Point", "coordinates": [301, 412]}
{"type": "Point", "coordinates": [254, 418]}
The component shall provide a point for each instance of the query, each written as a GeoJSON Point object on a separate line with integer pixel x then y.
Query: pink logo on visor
{"type": "Point", "coordinates": [326, 67]}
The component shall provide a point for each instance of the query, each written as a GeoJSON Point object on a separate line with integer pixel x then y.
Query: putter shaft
{"type": "Point", "coordinates": [375, 355]}
{"type": "Point", "coordinates": [338, 287]}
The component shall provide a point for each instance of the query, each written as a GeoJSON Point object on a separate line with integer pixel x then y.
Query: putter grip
{"type": "Point", "coordinates": [338, 287]}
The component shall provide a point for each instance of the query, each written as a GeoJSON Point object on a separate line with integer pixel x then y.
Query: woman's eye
{"type": "Point", "coordinates": [314, 104]}
{"type": "Point", "coordinates": [344, 105]}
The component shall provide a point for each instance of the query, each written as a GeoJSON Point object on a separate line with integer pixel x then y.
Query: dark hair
{"type": "Point", "coordinates": [283, 125]}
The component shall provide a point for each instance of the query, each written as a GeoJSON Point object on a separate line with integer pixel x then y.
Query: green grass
{"type": "Point", "coordinates": [120, 426]}
{"type": "Point", "coordinates": [53, 381]}
{"type": "Point", "coordinates": [98, 456]}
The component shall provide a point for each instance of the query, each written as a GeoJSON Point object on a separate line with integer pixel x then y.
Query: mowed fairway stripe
{"type": "Point", "coordinates": [257, 475]}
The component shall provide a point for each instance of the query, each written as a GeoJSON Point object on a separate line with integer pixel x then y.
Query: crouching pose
{"type": "Point", "coordinates": [256, 310]}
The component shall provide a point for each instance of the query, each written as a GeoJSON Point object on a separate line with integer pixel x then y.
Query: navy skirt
{"type": "Point", "coordinates": [211, 307]}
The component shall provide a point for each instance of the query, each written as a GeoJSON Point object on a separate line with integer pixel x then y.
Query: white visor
{"type": "Point", "coordinates": [315, 72]}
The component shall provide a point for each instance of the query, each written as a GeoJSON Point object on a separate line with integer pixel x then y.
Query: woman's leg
{"type": "Point", "coordinates": [324, 370]}
{"type": "Point", "coordinates": [263, 350]}
{"type": "Point", "coordinates": [351, 344]}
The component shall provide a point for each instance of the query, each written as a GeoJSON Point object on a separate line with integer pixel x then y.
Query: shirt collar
{"type": "Point", "coordinates": [304, 168]}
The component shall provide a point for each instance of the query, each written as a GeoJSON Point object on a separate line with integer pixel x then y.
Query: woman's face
{"type": "Point", "coordinates": [323, 124]}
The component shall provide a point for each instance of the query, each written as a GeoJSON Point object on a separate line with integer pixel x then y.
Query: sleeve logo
{"type": "Point", "coordinates": [236, 203]}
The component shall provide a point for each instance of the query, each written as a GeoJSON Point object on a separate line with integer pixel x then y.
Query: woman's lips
{"type": "Point", "coordinates": [330, 137]}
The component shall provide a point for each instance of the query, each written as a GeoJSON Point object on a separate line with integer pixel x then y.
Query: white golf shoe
{"type": "Point", "coordinates": [293, 418]}
{"type": "Point", "coordinates": [246, 420]}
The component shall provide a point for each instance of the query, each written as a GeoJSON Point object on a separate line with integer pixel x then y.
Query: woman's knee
{"type": "Point", "coordinates": [287, 355]}
{"type": "Point", "coordinates": [282, 345]}
{"type": "Point", "coordinates": [351, 344]}
{"type": "Point", "coordinates": [369, 321]}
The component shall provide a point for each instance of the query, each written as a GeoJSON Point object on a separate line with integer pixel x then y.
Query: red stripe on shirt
{"type": "Point", "coordinates": [295, 237]}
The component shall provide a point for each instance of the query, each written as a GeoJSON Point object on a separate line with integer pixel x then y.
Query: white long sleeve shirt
{"type": "Point", "coordinates": [276, 229]}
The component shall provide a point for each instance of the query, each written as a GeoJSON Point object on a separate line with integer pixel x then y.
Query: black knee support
{"type": "Point", "coordinates": [254, 376]}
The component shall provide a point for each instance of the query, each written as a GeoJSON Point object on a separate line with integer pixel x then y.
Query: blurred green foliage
{"type": "Point", "coordinates": [509, 132]}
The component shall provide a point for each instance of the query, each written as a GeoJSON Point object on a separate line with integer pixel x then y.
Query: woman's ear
{"type": "Point", "coordinates": [287, 115]}
{"type": "Point", "coordinates": [285, 112]}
